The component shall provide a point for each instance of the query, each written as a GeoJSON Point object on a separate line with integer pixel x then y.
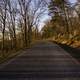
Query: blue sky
{"type": "Point", "coordinates": [72, 1]}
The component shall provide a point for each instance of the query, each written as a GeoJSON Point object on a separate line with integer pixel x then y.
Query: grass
{"type": "Point", "coordinates": [7, 56]}
{"type": "Point", "coordinates": [74, 52]}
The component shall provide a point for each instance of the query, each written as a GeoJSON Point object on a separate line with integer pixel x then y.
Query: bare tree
{"type": "Point", "coordinates": [13, 12]}
{"type": "Point", "coordinates": [3, 9]}
{"type": "Point", "coordinates": [31, 11]}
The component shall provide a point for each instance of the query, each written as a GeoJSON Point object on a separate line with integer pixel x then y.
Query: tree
{"type": "Point", "coordinates": [60, 8]}
{"type": "Point", "coordinates": [31, 11]}
{"type": "Point", "coordinates": [3, 11]}
{"type": "Point", "coordinates": [13, 12]}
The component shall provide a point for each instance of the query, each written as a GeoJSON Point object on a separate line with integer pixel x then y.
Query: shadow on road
{"type": "Point", "coordinates": [74, 52]}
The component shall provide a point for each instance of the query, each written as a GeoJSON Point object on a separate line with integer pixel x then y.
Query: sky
{"type": "Point", "coordinates": [72, 1]}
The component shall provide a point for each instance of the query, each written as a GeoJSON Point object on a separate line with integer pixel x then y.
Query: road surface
{"type": "Point", "coordinates": [44, 61]}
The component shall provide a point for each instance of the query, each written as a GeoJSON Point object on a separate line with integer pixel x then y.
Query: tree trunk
{"type": "Point", "coordinates": [3, 38]}
{"type": "Point", "coordinates": [14, 38]}
{"type": "Point", "coordinates": [66, 22]}
{"type": "Point", "coordinates": [25, 33]}
{"type": "Point", "coordinates": [29, 35]}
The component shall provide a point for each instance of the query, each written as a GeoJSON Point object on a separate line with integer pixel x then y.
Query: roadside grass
{"type": "Point", "coordinates": [9, 54]}
{"type": "Point", "coordinates": [6, 56]}
{"type": "Point", "coordinates": [73, 51]}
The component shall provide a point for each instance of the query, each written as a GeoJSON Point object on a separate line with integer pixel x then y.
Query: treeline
{"type": "Point", "coordinates": [64, 25]}
{"type": "Point", "coordinates": [19, 21]}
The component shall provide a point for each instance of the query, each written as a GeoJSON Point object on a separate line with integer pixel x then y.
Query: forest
{"type": "Point", "coordinates": [20, 21]}
{"type": "Point", "coordinates": [64, 25]}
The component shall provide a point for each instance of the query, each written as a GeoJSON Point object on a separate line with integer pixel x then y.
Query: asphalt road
{"type": "Point", "coordinates": [44, 61]}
